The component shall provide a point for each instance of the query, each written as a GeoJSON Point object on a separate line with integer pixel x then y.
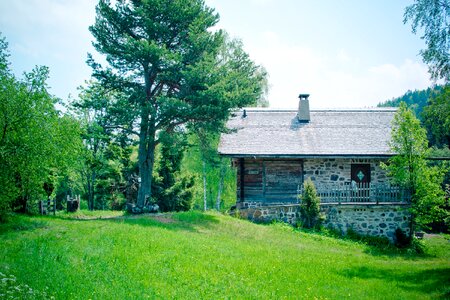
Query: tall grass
{"type": "Point", "coordinates": [208, 256]}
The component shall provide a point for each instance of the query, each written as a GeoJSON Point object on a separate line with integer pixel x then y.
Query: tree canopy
{"type": "Point", "coordinates": [37, 143]}
{"type": "Point", "coordinates": [172, 70]}
{"type": "Point", "coordinates": [434, 17]}
{"type": "Point", "coordinates": [437, 117]}
{"type": "Point", "coordinates": [409, 168]}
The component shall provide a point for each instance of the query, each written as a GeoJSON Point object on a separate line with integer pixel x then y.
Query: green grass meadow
{"type": "Point", "coordinates": [198, 255]}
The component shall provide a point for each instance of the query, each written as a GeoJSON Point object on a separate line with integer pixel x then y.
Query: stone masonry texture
{"type": "Point", "coordinates": [366, 219]}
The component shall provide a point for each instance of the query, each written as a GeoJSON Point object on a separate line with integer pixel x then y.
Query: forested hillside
{"type": "Point", "coordinates": [432, 107]}
{"type": "Point", "coordinates": [416, 99]}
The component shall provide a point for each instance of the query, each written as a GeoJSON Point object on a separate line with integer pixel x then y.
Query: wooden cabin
{"type": "Point", "coordinates": [340, 150]}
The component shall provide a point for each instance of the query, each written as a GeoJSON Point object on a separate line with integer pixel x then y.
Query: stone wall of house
{"type": "Point", "coordinates": [374, 220]}
{"type": "Point", "coordinates": [366, 219]}
{"type": "Point", "coordinates": [332, 171]}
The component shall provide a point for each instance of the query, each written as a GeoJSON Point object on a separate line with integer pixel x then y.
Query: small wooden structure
{"type": "Point", "coordinates": [73, 203]}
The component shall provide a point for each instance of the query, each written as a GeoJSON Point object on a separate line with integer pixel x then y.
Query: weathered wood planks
{"type": "Point", "coordinates": [268, 180]}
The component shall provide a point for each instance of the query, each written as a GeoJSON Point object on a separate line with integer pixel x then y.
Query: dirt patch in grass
{"type": "Point", "coordinates": [166, 218]}
{"type": "Point", "coordinates": [432, 235]}
{"type": "Point", "coordinates": [163, 218]}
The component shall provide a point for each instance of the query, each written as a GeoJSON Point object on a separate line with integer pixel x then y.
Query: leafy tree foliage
{"type": "Point", "coordinates": [38, 145]}
{"type": "Point", "coordinates": [202, 160]}
{"type": "Point", "coordinates": [309, 205]}
{"type": "Point", "coordinates": [172, 69]}
{"type": "Point", "coordinates": [433, 16]}
{"type": "Point", "coordinates": [206, 141]}
{"type": "Point", "coordinates": [107, 171]}
{"type": "Point", "coordinates": [91, 109]}
{"type": "Point", "coordinates": [409, 168]}
{"type": "Point", "coordinates": [436, 118]}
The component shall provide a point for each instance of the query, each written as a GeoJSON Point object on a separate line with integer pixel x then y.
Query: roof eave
{"type": "Point", "coordinates": [361, 156]}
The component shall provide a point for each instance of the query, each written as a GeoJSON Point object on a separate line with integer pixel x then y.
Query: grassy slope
{"type": "Point", "coordinates": [204, 256]}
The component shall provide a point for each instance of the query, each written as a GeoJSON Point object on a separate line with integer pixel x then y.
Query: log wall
{"type": "Point", "coordinates": [268, 180]}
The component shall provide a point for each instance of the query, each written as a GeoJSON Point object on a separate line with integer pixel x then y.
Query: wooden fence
{"type": "Point", "coordinates": [360, 192]}
{"type": "Point", "coordinates": [47, 206]}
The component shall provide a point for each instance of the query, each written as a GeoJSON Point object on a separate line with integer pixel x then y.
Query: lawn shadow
{"type": "Point", "coordinates": [427, 281]}
{"type": "Point", "coordinates": [192, 221]}
{"type": "Point", "coordinates": [19, 223]}
{"type": "Point", "coordinates": [392, 251]}
{"type": "Point", "coordinates": [378, 246]}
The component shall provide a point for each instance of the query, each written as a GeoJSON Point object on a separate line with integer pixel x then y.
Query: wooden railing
{"type": "Point", "coordinates": [359, 192]}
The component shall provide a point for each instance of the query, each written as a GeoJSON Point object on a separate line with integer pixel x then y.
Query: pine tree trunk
{"type": "Point", "coordinates": [219, 190]}
{"type": "Point", "coordinates": [146, 160]}
{"type": "Point", "coordinates": [204, 186]}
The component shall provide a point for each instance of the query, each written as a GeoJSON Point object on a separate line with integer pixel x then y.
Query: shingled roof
{"type": "Point", "coordinates": [278, 133]}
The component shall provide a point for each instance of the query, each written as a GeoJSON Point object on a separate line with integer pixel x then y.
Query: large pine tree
{"type": "Point", "coordinates": [172, 69]}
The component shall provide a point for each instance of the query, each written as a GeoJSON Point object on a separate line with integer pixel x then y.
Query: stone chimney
{"type": "Point", "coordinates": [303, 109]}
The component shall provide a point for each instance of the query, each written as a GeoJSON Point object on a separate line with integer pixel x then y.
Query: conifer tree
{"type": "Point", "coordinates": [172, 67]}
{"type": "Point", "coordinates": [310, 205]}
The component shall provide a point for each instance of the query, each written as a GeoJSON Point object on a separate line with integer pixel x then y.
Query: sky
{"type": "Point", "coordinates": [345, 54]}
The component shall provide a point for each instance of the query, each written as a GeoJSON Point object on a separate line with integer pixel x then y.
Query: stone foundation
{"type": "Point", "coordinates": [367, 219]}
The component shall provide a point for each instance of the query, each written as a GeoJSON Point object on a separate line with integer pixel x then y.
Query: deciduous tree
{"type": "Point", "coordinates": [409, 168]}
{"type": "Point", "coordinates": [37, 143]}
{"type": "Point", "coordinates": [106, 168]}
{"type": "Point", "coordinates": [433, 16]}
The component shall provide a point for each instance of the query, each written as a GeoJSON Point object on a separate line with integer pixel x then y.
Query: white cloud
{"type": "Point", "coordinates": [338, 81]}
{"type": "Point", "coordinates": [343, 56]}
{"type": "Point", "coordinates": [55, 33]}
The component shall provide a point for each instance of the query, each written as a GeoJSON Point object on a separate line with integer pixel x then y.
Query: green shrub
{"type": "Point", "coordinates": [310, 206]}
{"type": "Point", "coordinates": [416, 246]}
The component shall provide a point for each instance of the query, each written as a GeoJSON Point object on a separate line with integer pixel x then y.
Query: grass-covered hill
{"type": "Point", "coordinates": [197, 255]}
